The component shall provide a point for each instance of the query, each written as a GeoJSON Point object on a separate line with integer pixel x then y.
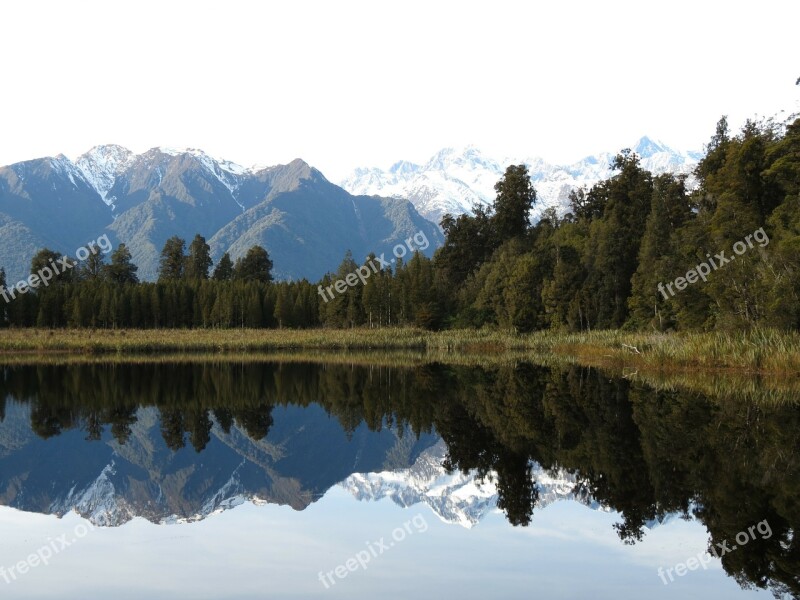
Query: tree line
{"type": "Point", "coordinates": [598, 266]}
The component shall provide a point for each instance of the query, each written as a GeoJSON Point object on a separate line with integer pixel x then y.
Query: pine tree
{"type": "Point", "coordinates": [48, 260]}
{"type": "Point", "coordinates": [122, 271]}
{"type": "Point", "coordinates": [669, 210]}
{"type": "Point", "coordinates": [512, 206]}
{"type": "Point", "coordinates": [198, 262]}
{"type": "Point", "coordinates": [173, 261]}
{"type": "Point", "coordinates": [613, 245]}
{"type": "Point", "coordinates": [94, 267]}
{"type": "Point", "coordinates": [254, 266]}
{"type": "Point", "coordinates": [224, 269]}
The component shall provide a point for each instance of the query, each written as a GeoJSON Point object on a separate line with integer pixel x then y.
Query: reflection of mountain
{"type": "Point", "coordinates": [458, 498]}
{"type": "Point", "coordinates": [172, 440]}
{"type": "Point", "coordinates": [305, 453]}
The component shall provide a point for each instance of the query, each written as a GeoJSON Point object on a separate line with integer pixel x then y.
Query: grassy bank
{"type": "Point", "coordinates": [754, 352]}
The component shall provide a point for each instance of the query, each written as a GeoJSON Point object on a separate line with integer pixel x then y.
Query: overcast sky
{"type": "Point", "coordinates": [346, 84]}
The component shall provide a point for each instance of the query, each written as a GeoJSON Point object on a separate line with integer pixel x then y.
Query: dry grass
{"type": "Point", "coordinates": [756, 352]}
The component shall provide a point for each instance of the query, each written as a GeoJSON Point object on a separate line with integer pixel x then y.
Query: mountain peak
{"type": "Point", "coordinates": [647, 147]}
{"type": "Point", "coordinates": [107, 150]}
{"type": "Point", "coordinates": [454, 178]}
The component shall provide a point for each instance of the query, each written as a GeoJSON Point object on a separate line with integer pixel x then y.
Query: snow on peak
{"type": "Point", "coordinates": [458, 498]}
{"type": "Point", "coordinates": [646, 147]}
{"type": "Point", "coordinates": [454, 179]}
{"type": "Point", "coordinates": [102, 164]}
{"type": "Point", "coordinates": [67, 168]}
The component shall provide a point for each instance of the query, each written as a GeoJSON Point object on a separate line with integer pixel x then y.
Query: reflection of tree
{"type": "Point", "coordinates": [642, 452]}
{"type": "Point", "coordinates": [173, 428]}
{"type": "Point", "coordinates": [255, 420]}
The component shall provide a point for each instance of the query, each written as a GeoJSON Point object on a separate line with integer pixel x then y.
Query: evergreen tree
{"type": "Point", "coordinates": [254, 266]}
{"type": "Point", "coordinates": [469, 242]}
{"type": "Point", "coordinates": [224, 269]}
{"type": "Point", "coordinates": [122, 271]}
{"type": "Point", "coordinates": [613, 245]}
{"type": "Point", "coordinates": [172, 264]}
{"type": "Point", "coordinates": [93, 268]}
{"type": "Point", "coordinates": [46, 259]}
{"type": "Point", "coordinates": [198, 262]}
{"type": "Point", "coordinates": [669, 210]}
{"type": "Point", "coordinates": [512, 206]}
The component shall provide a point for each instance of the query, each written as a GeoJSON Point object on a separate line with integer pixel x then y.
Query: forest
{"type": "Point", "coordinates": [599, 266]}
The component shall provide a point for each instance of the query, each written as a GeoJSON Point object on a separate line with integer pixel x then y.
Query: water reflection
{"type": "Point", "coordinates": [180, 441]}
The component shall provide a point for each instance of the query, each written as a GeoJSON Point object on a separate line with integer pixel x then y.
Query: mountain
{"type": "Point", "coordinates": [305, 453]}
{"type": "Point", "coordinates": [453, 180]}
{"type": "Point", "coordinates": [306, 223]}
{"type": "Point", "coordinates": [457, 498]}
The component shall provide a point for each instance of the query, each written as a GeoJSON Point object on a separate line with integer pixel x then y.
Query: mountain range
{"type": "Point", "coordinates": [458, 498]}
{"type": "Point", "coordinates": [305, 454]}
{"type": "Point", "coordinates": [305, 222]}
{"type": "Point", "coordinates": [454, 179]}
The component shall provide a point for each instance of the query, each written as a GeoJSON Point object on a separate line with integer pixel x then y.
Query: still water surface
{"type": "Point", "coordinates": [314, 480]}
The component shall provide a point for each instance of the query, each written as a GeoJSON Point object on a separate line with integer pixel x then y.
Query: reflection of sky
{"type": "Point", "coordinates": [270, 551]}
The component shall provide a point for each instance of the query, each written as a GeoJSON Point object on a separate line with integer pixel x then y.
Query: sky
{"type": "Point", "coordinates": [270, 551]}
{"type": "Point", "coordinates": [347, 84]}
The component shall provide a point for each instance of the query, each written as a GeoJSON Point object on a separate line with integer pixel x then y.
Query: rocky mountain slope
{"type": "Point", "coordinates": [306, 223]}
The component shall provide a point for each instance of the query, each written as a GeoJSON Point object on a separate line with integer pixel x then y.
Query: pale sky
{"type": "Point", "coordinates": [346, 84]}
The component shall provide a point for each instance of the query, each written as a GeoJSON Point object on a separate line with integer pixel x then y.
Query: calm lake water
{"type": "Point", "coordinates": [313, 480]}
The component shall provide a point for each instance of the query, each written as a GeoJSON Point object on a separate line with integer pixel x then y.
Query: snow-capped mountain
{"type": "Point", "coordinates": [457, 498]}
{"type": "Point", "coordinates": [454, 179]}
{"type": "Point", "coordinates": [101, 166]}
{"type": "Point", "coordinates": [306, 223]}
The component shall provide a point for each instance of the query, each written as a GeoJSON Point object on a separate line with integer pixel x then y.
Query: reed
{"type": "Point", "coordinates": [757, 351]}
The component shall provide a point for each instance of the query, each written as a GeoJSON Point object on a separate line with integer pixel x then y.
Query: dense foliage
{"type": "Point", "coordinates": [607, 263]}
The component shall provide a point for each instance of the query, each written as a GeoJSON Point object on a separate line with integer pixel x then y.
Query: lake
{"type": "Point", "coordinates": [316, 478]}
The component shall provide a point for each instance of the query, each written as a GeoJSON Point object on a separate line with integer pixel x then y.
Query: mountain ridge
{"type": "Point", "coordinates": [455, 178]}
{"type": "Point", "coordinates": [305, 222]}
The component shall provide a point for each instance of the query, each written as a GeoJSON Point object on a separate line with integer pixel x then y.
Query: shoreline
{"type": "Point", "coordinates": [757, 352]}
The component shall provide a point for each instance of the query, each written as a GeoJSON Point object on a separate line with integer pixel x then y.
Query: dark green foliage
{"type": "Point", "coordinates": [94, 267]}
{"type": "Point", "coordinates": [50, 260]}
{"type": "Point", "coordinates": [254, 266]}
{"type": "Point", "coordinates": [224, 269]}
{"type": "Point", "coordinates": [512, 206]}
{"type": "Point", "coordinates": [469, 241]}
{"type": "Point", "coordinates": [121, 270]}
{"type": "Point", "coordinates": [172, 264]}
{"type": "Point", "coordinates": [606, 264]}
{"type": "Point", "coordinates": [602, 265]}
{"type": "Point", "coordinates": [199, 261]}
